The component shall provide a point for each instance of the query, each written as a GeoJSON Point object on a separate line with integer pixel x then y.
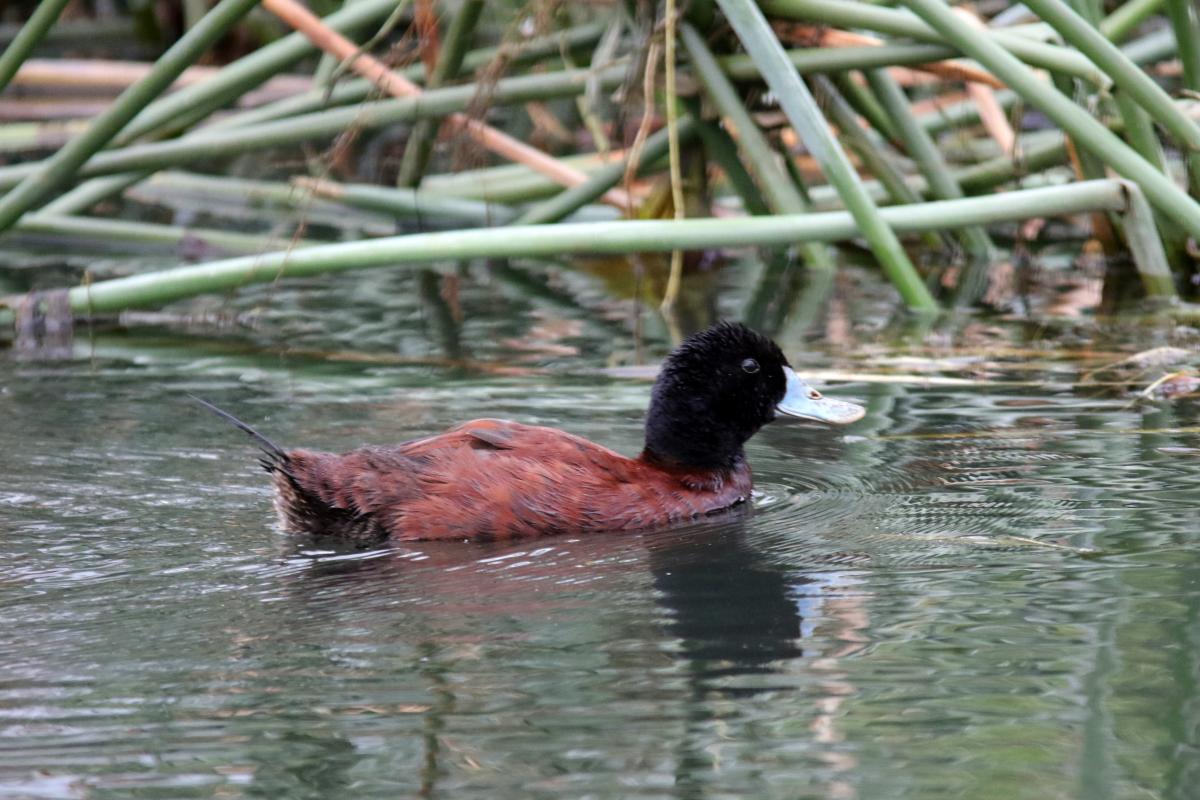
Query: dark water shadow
{"type": "Point", "coordinates": [729, 607]}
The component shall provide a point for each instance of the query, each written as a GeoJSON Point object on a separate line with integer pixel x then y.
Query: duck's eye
{"type": "Point", "coordinates": [813, 394]}
{"type": "Point", "coordinates": [750, 366]}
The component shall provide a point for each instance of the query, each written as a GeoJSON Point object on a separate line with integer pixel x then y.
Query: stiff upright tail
{"type": "Point", "coordinates": [303, 509]}
{"type": "Point", "coordinates": [275, 458]}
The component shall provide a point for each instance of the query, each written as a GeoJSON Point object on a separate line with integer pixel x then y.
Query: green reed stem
{"type": "Point", "coordinates": [1126, 17]}
{"type": "Point", "coordinates": [1039, 152]}
{"type": "Point", "coordinates": [777, 187]}
{"type": "Point", "coordinates": [570, 200]}
{"type": "Point", "coordinates": [360, 89]}
{"type": "Point", "coordinates": [1145, 245]}
{"type": "Point", "coordinates": [240, 199]}
{"type": "Point", "coordinates": [38, 25]}
{"type": "Point", "coordinates": [1142, 136]}
{"type": "Point", "coordinates": [112, 31]}
{"type": "Point", "coordinates": [840, 59]}
{"type": "Point", "coordinates": [924, 151]}
{"type": "Point", "coordinates": [450, 58]}
{"type": "Point", "coordinates": [91, 192]}
{"type": "Point", "coordinates": [1147, 50]}
{"type": "Point", "coordinates": [1185, 21]}
{"type": "Point", "coordinates": [1152, 48]}
{"type": "Point", "coordinates": [801, 110]}
{"type": "Point", "coordinates": [108, 230]}
{"type": "Point", "coordinates": [244, 74]}
{"type": "Point", "coordinates": [1089, 164]}
{"type": "Point", "coordinates": [181, 109]}
{"type": "Point", "coordinates": [961, 113]}
{"type": "Point", "coordinates": [252, 70]}
{"type": "Point", "coordinates": [872, 157]}
{"type": "Point", "coordinates": [1082, 126]}
{"type": "Point", "coordinates": [405, 202]}
{"type": "Point", "coordinates": [866, 104]}
{"type": "Point", "coordinates": [63, 165]}
{"type": "Point", "coordinates": [847, 14]}
{"type": "Point", "coordinates": [552, 241]}
{"type": "Point", "coordinates": [507, 183]}
{"type": "Point", "coordinates": [220, 144]}
{"type": "Point", "coordinates": [722, 150]}
{"type": "Point", "coordinates": [1128, 77]}
{"type": "Point", "coordinates": [1050, 151]}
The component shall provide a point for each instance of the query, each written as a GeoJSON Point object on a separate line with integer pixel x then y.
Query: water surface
{"type": "Point", "coordinates": [988, 588]}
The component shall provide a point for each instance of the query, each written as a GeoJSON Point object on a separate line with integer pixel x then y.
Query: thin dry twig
{"type": "Point", "coordinates": [676, 278]}
{"type": "Point", "coordinates": [643, 131]}
{"type": "Point", "coordinates": [949, 70]}
{"type": "Point", "coordinates": [1186, 377]}
{"type": "Point", "coordinates": [397, 85]}
{"type": "Point", "coordinates": [991, 113]}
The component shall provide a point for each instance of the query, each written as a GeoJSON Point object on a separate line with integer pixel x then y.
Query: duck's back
{"type": "Point", "coordinates": [491, 479]}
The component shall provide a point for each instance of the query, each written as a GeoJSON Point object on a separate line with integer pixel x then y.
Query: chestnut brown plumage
{"type": "Point", "coordinates": [493, 479]}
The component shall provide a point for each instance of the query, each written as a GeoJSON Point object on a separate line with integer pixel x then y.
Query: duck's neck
{"type": "Point", "coordinates": [680, 437]}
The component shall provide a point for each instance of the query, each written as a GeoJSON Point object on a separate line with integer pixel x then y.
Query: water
{"type": "Point", "coordinates": [988, 588]}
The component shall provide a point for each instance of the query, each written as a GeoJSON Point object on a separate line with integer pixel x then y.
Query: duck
{"type": "Point", "coordinates": [494, 479]}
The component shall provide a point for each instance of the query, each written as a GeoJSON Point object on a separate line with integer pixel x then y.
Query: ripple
{"type": "Point", "coordinates": [889, 595]}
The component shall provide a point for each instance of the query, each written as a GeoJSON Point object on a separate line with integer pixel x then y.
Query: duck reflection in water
{"type": "Point", "coordinates": [745, 627]}
{"type": "Point", "coordinates": [731, 611]}
{"type": "Point", "coordinates": [749, 627]}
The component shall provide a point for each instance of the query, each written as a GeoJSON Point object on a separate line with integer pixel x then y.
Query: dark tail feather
{"type": "Point", "coordinates": [274, 457]}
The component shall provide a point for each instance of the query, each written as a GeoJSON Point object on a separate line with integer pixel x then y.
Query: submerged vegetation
{"type": "Point", "coordinates": [919, 131]}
